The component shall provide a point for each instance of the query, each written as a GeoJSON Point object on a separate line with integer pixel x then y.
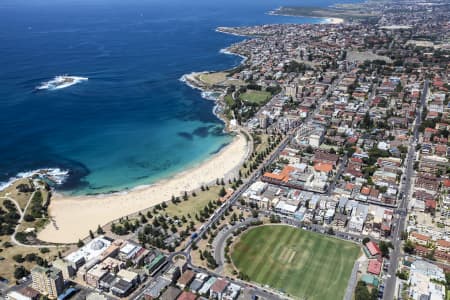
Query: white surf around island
{"type": "Point", "coordinates": [61, 82]}
{"type": "Point", "coordinates": [67, 211]}
{"type": "Point", "coordinates": [56, 175]}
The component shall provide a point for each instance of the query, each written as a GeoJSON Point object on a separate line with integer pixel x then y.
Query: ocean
{"type": "Point", "coordinates": [133, 121]}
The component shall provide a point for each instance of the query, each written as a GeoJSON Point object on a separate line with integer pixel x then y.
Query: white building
{"type": "Point", "coordinates": [315, 140]}
{"type": "Point", "coordinates": [421, 285]}
{"type": "Point", "coordinates": [88, 252]}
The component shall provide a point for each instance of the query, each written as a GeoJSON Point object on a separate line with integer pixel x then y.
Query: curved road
{"type": "Point", "coordinates": [22, 214]}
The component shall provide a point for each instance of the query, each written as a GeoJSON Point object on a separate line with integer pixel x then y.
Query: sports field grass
{"type": "Point", "coordinates": [303, 264]}
{"type": "Point", "coordinates": [256, 97]}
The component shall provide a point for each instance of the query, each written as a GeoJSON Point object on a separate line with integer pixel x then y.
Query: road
{"type": "Point", "coordinates": [339, 172]}
{"type": "Point", "coordinates": [258, 172]}
{"type": "Point", "coordinates": [263, 292]}
{"type": "Point", "coordinates": [220, 242]}
{"type": "Point", "coordinates": [260, 291]}
{"type": "Point", "coordinates": [22, 215]}
{"type": "Point", "coordinates": [402, 211]}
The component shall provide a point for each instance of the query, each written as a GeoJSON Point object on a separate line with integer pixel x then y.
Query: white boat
{"type": "Point", "coordinates": [60, 82]}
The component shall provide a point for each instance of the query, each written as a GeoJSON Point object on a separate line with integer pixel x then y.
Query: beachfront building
{"type": "Point", "coordinates": [47, 281]}
{"type": "Point", "coordinates": [89, 252]}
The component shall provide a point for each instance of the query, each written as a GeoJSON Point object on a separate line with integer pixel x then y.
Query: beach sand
{"type": "Point", "coordinates": [75, 216]}
{"type": "Point", "coordinates": [334, 21]}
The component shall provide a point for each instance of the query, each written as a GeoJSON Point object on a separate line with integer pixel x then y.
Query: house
{"type": "Point", "coordinates": [185, 279]}
{"type": "Point", "coordinates": [232, 292]}
{"type": "Point", "coordinates": [419, 239]}
{"type": "Point", "coordinates": [430, 205]}
{"type": "Point", "coordinates": [443, 245]}
{"type": "Point", "coordinates": [171, 293]}
{"type": "Point", "coordinates": [207, 286]}
{"type": "Point", "coordinates": [218, 289]}
{"type": "Point", "coordinates": [421, 250]}
{"type": "Point", "coordinates": [321, 156]}
{"type": "Point", "coordinates": [323, 167]}
{"type": "Point", "coordinates": [187, 296]}
{"type": "Point", "coordinates": [155, 288]}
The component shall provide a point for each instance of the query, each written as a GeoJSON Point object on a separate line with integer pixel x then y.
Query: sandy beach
{"type": "Point", "coordinates": [334, 21]}
{"type": "Point", "coordinates": [75, 216]}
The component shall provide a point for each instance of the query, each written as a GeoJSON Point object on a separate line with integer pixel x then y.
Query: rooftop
{"type": "Point", "coordinates": [90, 251]}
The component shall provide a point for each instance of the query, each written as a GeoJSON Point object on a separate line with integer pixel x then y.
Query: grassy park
{"type": "Point", "coordinates": [256, 97]}
{"type": "Point", "coordinates": [303, 264]}
{"type": "Point", "coordinates": [194, 204]}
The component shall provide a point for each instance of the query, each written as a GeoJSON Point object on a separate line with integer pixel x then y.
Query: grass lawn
{"type": "Point", "coordinates": [11, 191]}
{"type": "Point", "coordinates": [257, 97]}
{"type": "Point", "coordinates": [213, 78]}
{"type": "Point", "coordinates": [229, 100]}
{"type": "Point", "coordinates": [8, 265]}
{"type": "Point", "coordinates": [193, 204]}
{"type": "Point", "coordinates": [303, 264]}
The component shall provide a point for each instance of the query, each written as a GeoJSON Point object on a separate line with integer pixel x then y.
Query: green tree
{"type": "Point", "coordinates": [408, 247]}
{"type": "Point", "coordinates": [384, 248]}
{"type": "Point", "coordinates": [222, 192]}
{"type": "Point", "coordinates": [361, 291]}
{"type": "Point", "coordinates": [18, 258]}
{"type": "Point", "coordinates": [44, 250]}
{"type": "Point", "coordinates": [100, 230]}
{"type": "Point", "coordinates": [20, 272]}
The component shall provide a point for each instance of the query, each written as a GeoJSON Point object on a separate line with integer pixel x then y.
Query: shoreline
{"type": "Point", "coordinates": [193, 81]}
{"type": "Point", "coordinates": [66, 211]}
{"type": "Point", "coordinates": [74, 216]}
{"type": "Point", "coordinates": [326, 20]}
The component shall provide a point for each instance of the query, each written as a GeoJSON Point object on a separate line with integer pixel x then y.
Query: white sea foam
{"type": "Point", "coordinates": [185, 80]}
{"type": "Point", "coordinates": [61, 82]}
{"type": "Point", "coordinates": [228, 52]}
{"type": "Point", "coordinates": [56, 175]}
{"type": "Point", "coordinates": [210, 95]}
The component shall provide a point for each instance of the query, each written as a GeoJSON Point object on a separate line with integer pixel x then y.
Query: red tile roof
{"type": "Point", "coordinates": [186, 277]}
{"type": "Point", "coordinates": [323, 167]}
{"type": "Point", "coordinates": [365, 190]}
{"type": "Point", "coordinates": [446, 182]}
{"type": "Point", "coordinates": [373, 248]}
{"type": "Point", "coordinates": [419, 236]}
{"type": "Point", "coordinates": [443, 243]}
{"type": "Point", "coordinates": [349, 186]}
{"type": "Point", "coordinates": [219, 286]}
{"type": "Point", "coordinates": [430, 204]}
{"type": "Point", "coordinates": [282, 176]}
{"type": "Point", "coordinates": [374, 267]}
{"type": "Point", "coordinates": [187, 296]}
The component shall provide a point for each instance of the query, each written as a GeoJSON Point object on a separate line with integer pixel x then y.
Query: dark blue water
{"type": "Point", "coordinates": [133, 121]}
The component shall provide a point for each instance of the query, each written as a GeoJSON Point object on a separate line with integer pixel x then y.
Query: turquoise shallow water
{"type": "Point", "coordinates": [133, 122]}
